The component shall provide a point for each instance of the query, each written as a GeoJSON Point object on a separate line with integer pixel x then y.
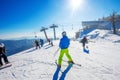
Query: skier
{"type": "Point", "coordinates": [84, 41]}
{"type": "Point", "coordinates": [37, 44]}
{"type": "Point", "coordinates": [41, 42]}
{"type": "Point", "coordinates": [2, 54]}
{"type": "Point", "coordinates": [64, 44]}
{"type": "Point", "coordinates": [50, 42]}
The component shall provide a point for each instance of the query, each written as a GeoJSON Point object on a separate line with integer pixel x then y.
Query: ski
{"type": "Point", "coordinates": [57, 66]}
{"type": "Point", "coordinates": [5, 66]}
{"type": "Point", "coordinates": [73, 63]}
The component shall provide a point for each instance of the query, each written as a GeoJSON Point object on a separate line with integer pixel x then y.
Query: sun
{"type": "Point", "coordinates": [75, 4]}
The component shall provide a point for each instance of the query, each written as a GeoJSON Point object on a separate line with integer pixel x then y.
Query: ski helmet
{"type": "Point", "coordinates": [63, 33]}
{"type": "Point", "coordinates": [2, 45]}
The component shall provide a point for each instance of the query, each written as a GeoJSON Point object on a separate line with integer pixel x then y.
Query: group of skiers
{"type": "Point", "coordinates": [63, 45]}
{"type": "Point", "coordinates": [37, 44]}
{"type": "Point", "coordinates": [40, 44]}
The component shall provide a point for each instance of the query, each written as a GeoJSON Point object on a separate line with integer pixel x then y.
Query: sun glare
{"type": "Point", "coordinates": [75, 4]}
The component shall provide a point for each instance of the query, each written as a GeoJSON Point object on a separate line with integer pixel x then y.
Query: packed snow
{"type": "Point", "coordinates": [102, 62]}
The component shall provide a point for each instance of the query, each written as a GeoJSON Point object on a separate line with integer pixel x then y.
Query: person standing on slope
{"type": "Point", "coordinates": [84, 41]}
{"type": "Point", "coordinates": [37, 44]}
{"type": "Point", "coordinates": [41, 42]}
{"type": "Point", "coordinates": [64, 44]}
{"type": "Point", "coordinates": [3, 55]}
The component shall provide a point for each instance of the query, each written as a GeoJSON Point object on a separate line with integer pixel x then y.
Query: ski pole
{"type": "Point", "coordinates": [56, 52]}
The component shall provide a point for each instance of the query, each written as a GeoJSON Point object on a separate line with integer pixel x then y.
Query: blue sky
{"type": "Point", "coordinates": [23, 18]}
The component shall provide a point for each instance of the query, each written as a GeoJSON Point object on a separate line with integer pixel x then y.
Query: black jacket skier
{"type": "Point", "coordinates": [2, 54]}
{"type": "Point", "coordinates": [84, 41]}
{"type": "Point", "coordinates": [37, 44]}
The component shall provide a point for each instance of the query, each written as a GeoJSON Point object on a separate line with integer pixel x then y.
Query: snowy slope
{"type": "Point", "coordinates": [102, 63]}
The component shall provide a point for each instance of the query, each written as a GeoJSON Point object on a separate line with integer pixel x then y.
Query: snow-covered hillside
{"type": "Point", "coordinates": [102, 62]}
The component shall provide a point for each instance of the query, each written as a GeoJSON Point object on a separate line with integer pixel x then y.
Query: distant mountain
{"type": "Point", "coordinates": [15, 46]}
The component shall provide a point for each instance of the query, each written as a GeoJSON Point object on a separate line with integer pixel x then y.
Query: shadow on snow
{"type": "Point", "coordinates": [62, 77]}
